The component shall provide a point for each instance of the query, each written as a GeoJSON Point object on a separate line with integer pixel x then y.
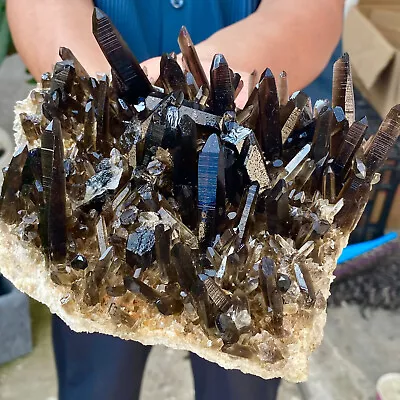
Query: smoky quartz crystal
{"type": "Point", "coordinates": [171, 194]}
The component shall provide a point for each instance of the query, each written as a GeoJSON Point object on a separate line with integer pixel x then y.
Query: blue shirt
{"type": "Point", "coordinates": [151, 27]}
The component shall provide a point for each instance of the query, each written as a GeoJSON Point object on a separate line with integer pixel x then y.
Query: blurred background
{"type": "Point", "coordinates": [361, 340]}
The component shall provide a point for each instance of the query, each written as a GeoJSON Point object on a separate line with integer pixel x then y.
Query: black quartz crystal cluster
{"type": "Point", "coordinates": [169, 191]}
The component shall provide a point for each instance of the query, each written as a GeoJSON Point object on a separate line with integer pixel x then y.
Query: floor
{"type": "Point", "coordinates": [356, 350]}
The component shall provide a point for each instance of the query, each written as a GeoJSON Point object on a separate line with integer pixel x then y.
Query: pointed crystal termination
{"type": "Point", "coordinates": [172, 75]}
{"type": "Point", "coordinates": [89, 125]}
{"type": "Point", "coordinates": [378, 149]}
{"type": "Point", "coordinates": [12, 185]}
{"type": "Point", "coordinates": [329, 185]}
{"type": "Point", "coordinates": [170, 138]}
{"type": "Point", "coordinates": [67, 55]}
{"type": "Point", "coordinates": [95, 275]}
{"type": "Point", "coordinates": [342, 88]}
{"type": "Point", "coordinates": [166, 304]}
{"type": "Point", "coordinates": [254, 163]}
{"type": "Point", "coordinates": [182, 260]}
{"type": "Point", "coordinates": [156, 128]}
{"type": "Point", "coordinates": [163, 253]}
{"type": "Point", "coordinates": [248, 211]}
{"type": "Point", "coordinates": [277, 207]}
{"type": "Point", "coordinates": [185, 161]}
{"type": "Point", "coordinates": [300, 101]}
{"type": "Point", "coordinates": [352, 141]}
{"type": "Point", "coordinates": [236, 79]}
{"type": "Point", "coordinates": [121, 59]}
{"type": "Point", "coordinates": [191, 58]}
{"type": "Point", "coordinates": [271, 293]}
{"type": "Point", "coordinates": [355, 194]}
{"type": "Point", "coordinates": [321, 139]}
{"type": "Point", "coordinates": [283, 88]}
{"type": "Point", "coordinates": [221, 89]}
{"type": "Point", "coordinates": [63, 76]}
{"type": "Point", "coordinates": [31, 127]}
{"type": "Point", "coordinates": [268, 130]}
{"type": "Point", "coordinates": [57, 227]}
{"type": "Point", "coordinates": [211, 167]}
{"type": "Point", "coordinates": [304, 280]}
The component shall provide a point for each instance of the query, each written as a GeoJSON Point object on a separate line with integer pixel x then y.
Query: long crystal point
{"type": "Point", "coordinates": [304, 280]}
{"type": "Point", "coordinates": [329, 184]}
{"type": "Point", "coordinates": [268, 129]}
{"type": "Point", "coordinates": [342, 88]}
{"type": "Point", "coordinates": [321, 140]}
{"type": "Point", "coordinates": [191, 58]}
{"type": "Point", "coordinates": [271, 293]}
{"type": "Point", "coordinates": [277, 207]}
{"type": "Point", "coordinates": [339, 128]}
{"type": "Point", "coordinates": [12, 185]}
{"type": "Point", "coordinates": [221, 89]}
{"type": "Point", "coordinates": [304, 174]}
{"type": "Point", "coordinates": [248, 210]}
{"type": "Point", "coordinates": [283, 88]}
{"type": "Point", "coordinates": [355, 194]}
{"type": "Point", "coordinates": [89, 125]}
{"type": "Point", "coordinates": [57, 201]}
{"type": "Point", "coordinates": [163, 252]}
{"type": "Point", "coordinates": [352, 141]}
{"type": "Point", "coordinates": [182, 260]}
{"type": "Point", "coordinates": [185, 171]}
{"type": "Point", "coordinates": [383, 141]}
{"type": "Point", "coordinates": [172, 75]}
{"type": "Point", "coordinates": [103, 136]}
{"type": "Point", "coordinates": [293, 167]}
{"type": "Point", "coordinates": [47, 161]}
{"type": "Point", "coordinates": [166, 304]}
{"type": "Point", "coordinates": [210, 169]}
{"type": "Point", "coordinates": [121, 59]}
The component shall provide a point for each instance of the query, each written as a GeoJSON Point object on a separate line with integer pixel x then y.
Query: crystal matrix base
{"type": "Point", "coordinates": [25, 267]}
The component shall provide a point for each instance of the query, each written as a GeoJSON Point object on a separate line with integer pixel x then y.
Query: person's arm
{"type": "Point", "coordinates": [297, 36]}
{"type": "Point", "coordinates": [40, 27]}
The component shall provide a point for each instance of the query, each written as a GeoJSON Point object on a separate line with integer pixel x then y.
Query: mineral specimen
{"type": "Point", "coordinates": [168, 215]}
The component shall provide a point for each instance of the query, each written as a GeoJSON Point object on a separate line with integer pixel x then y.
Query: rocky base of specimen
{"type": "Point", "coordinates": [25, 267]}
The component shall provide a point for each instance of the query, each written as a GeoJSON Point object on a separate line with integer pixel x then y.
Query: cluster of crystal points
{"type": "Point", "coordinates": [210, 213]}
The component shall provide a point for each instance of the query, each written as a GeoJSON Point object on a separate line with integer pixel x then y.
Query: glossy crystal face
{"type": "Point", "coordinates": [216, 215]}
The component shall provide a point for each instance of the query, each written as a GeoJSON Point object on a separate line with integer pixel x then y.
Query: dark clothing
{"type": "Point", "coordinates": [101, 367]}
